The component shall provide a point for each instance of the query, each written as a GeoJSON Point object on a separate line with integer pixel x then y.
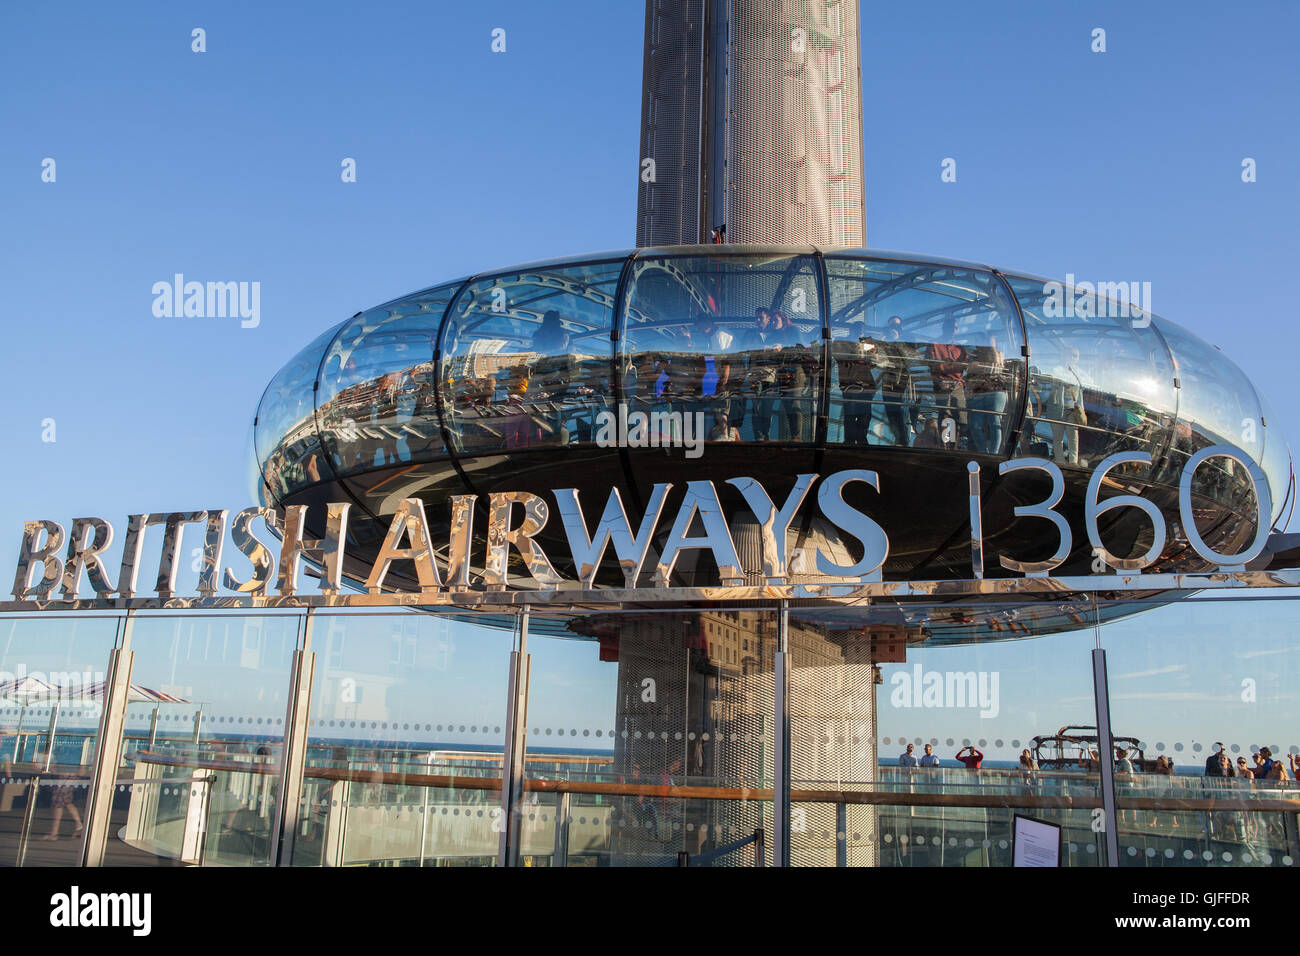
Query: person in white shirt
{"type": "Point", "coordinates": [907, 759]}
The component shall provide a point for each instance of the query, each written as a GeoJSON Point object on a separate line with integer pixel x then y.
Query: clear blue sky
{"type": "Point", "coordinates": [225, 166]}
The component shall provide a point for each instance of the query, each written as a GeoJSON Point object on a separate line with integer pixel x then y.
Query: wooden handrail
{"type": "Point", "coordinates": [699, 792]}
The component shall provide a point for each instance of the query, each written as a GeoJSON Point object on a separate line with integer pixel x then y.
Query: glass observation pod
{"type": "Point", "coordinates": [518, 379]}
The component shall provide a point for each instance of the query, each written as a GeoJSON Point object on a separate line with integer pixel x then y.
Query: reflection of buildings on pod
{"type": "Point", "coordinates": [798, 361]}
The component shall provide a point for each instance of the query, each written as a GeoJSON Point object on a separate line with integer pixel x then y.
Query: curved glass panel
{"type": "Point", "coordinates": [732, 341]}
{"type": "Point", "coordinates": [924, 355]}
{"type": "Point", "coordinates": [1216, 402]}
{"type": "Point", "coordinates": [526, 357]}
{"type": "Point", "coordinates": [284, 438]}
{"type": "Point", "coordinates": [1100, 380]}
{"type": "Point", "coordinates": [1277, 456]}
{"type": "Point", "coordinates": [376, 401]}
{"type": "Point", "coordinates": [258, 493]}
{"type": "Point", "coordinates": [1216, 405]}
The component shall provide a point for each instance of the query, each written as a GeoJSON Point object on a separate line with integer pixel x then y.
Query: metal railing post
{"type": "Point", "coordinates": [512, 768]}
{"type": "Point", "coordinates": [29, 816]}
{"type": "Point", "coordinates": [1105, 755]}
{"type": "Point", "coordinates": [49, 734]}
{"type": "Point", "coordinates": [781, 745]}
{"type": "Point", "coordinates": [426, 815]}
{"type": "Point", "coordinates": [561, 855]}
{"type": "Point", "coordinates": [841, 835]}
{"type": "Point", "coordinates": [294, 752]}
{"type": "Point", "coordinates": [1291, 826]}
{"type": "Point", "coordinates": [108, 755]}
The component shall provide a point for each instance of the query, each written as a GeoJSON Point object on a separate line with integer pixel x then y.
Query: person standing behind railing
{"type": "Point", "coordinates": [1220, 824]}
{"type": "Point", "coordinates": [796, 375]}
{"type": "Point", "coordinates": [1028, 766]}
{"type": "Point", "coordinates": [987, 384]}
{"type": "Point", "coordinates": [1164, 768]}
{"type": "Point", "coordinates": [1214, 766]}
{"type": "Point", "coordinates": [1264, 763]}
{"type": "Point", "coordinates": [759, 347]}
{"type": "Point", "coordinates": [897, 391]}
{"type": "Point", "coordinates": [855, 361]}
{"type": "Point", "coordinates": [929, 758]}
{"type": "Point", "coordinates": [908, 759]}
{"type": "Point", "coordinates": [972, 760]}
{"type": "Point", "coordinates": [949, 363]}
{"type": "Point", "coordinates": [1246, 776]}
{"type": "Point", "coordinates": [1124, 779]}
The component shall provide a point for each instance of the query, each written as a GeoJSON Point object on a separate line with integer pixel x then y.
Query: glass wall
{"type": "Point", "coordinates": [920, 734]}
{"type": "Point", "coordinates": [376, 403]}
{"type": "Point", "coordinates": [285, 438]}
{"type": "Point", "coordinates": [918, 354]}
{"type": "Point", "coordinates": [1217, 405]}
{"type": "Point", "coordinates": [925, 356]}
{"type": "Point", "coordinates": [1277, 465]}
{"type": "Point", "coordinates": [1099, 382]}
{"type": "Point", "coordinates": [526, 357]}
{"type": "Point", "coordinates": [650, 740]}
{"type": "Point", "coordinates": [735, 339]}
{"type": "Point", "coordinates": [405, 742]}
{"type": "Point", "coordinates": [1210, 688]}
{"type": "Point", "coordinates": [51, 696]}
{"type": "Point", "coordinates": [910, 753]}
{"type": "Point", "coordinates": [203, 741]}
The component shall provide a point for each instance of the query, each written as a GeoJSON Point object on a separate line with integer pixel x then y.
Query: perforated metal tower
{"type": "Point", "coordinates": [751, 123]}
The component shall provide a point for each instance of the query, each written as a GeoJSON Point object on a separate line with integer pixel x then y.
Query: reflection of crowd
{"type": "Point", "coordinates": [946, 393]}
{"type": "Point", "coordinates": [540, 394]}
{"type": "Point", "coordinates": [383, 415]}
{"type": "Point", "coordinates": [766, 379]}
{"type": "Point", "coordinates": [380, 418]}
{"type": "Point", "coordinates": [765, 376]}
